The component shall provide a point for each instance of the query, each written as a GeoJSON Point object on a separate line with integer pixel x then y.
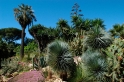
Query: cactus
{"type": "Point", "coordinates": [39, 62]}
{"type": "Point", "coordinates": [116, 60]}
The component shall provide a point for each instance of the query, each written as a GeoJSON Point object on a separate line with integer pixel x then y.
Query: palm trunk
{"type": "Point", "coordinates": [22, 43]}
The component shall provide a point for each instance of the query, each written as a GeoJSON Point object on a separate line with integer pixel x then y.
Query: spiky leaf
{"type": "Point", "coordinates": [96, 65]}
{"type": "Point", "coordinates": [98, 38]}
{"type": "Point", "coordinates": [59, 57]}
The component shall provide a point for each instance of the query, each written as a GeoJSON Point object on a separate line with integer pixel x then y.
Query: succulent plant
{"type": "Point", "coordinates": [59, 57]}
{"type": "Point", "coordinates": [96, 66]}
{"type": "Point", "coordinates": [116, 60]}
{"type": "Point", "coordinates": [77, 45]}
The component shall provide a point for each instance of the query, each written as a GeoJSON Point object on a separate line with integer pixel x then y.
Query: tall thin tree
{"type": "Point", "coordinates": [25, 16]}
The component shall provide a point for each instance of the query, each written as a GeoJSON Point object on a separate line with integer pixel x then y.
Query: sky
{"type": "Point", "coordinates": [48, 12]}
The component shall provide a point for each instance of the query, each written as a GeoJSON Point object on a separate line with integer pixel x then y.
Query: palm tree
{"type": "Point", "coordinates": [64, 28]}
{"type": "Point", "coordinates": [77, 22]}
{"type": "Point", "coordinates": [117, 31]}
{"type": "Point", "coordinates": [98, 22]}
{"type": "Point", "coordinates": [86, 25]}
{"type": "Point", "coordinates": [25, 16]}
{"type": "Point", "coordinates": [97, 38]}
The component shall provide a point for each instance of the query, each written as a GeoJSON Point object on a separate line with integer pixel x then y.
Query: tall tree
{"type": "Point", "coordinates": [98, 23]}
{"type": "Point", "coordinates": [117, 31]}
{"type": "Point", "coordinates": [10, 34]}
{"type": "Point", "coordinates": [25, 16]}
{"type": "Point", "coordinates": [76, 17]}
{"type": "Point", "coordinates": [64, 28]}
{"type": "Point", "coordinates": [42, 35]}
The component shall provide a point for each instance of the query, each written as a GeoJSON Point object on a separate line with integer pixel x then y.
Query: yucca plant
{"type": "Point", "coordinates": [77, 45]}
{"type": "Point", "coordinates": [60, 58]}
{"type": "Point", "coordinates": [98, 38]}
{"type": "Point", "coordinates": [96, 66]}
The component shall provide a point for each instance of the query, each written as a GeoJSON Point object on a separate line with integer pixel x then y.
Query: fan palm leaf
{"type": "Point", "coordinates": [98, 38]}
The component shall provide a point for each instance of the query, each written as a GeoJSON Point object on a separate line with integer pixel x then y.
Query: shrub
{"type": "Point", "coordinates": [9, 65]}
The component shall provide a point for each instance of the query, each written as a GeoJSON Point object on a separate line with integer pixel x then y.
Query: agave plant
{"type": "Point", "coordinates": [98, 38]}
{"type": "Point", "coordinates": [59, 57]}
{"type": "Point", "coordinates": [96, 66]}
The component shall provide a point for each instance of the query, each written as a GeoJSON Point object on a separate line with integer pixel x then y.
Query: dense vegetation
{"type": "Point", "coordinates": [81, 52]}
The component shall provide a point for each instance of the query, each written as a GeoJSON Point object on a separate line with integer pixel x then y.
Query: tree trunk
{"type": "Point", "coordinates": [39, 47]}
{"type": "Point", "coordinates": [22, 43]}
{"type": "Point", "coordinates": [63, 76]}
{"type": "Point", "coordinates": [0, 63]}
{"type": "Point", "coordinates": [49, 73]}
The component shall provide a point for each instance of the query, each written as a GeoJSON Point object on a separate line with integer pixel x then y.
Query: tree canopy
{"type": "Point", "coordinates": [10, 34]}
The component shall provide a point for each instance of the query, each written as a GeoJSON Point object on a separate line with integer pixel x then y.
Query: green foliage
{"type": "Point", "coordinates": [6, 50]}
{"type": "Point", "coordinates": [98, 22]}
{"type": "Point", "coordinates": [65, 32]}
{"type": "Point", "coordinates": [42, 35]}
{"type": "Point", "coordinates": [59, 56]}
{"type": "Point", "coordinates": [30, 49]}
{"type": "Point", "coordinates": [39, 62]}
{"type": "Point", "coordinates": [117, 30]}
{"type": "Point", "coordinates": [115, 55]}
{"type": "Point", "coordinates": [78, 23]}
{"type": "Point", "coordinates": [96, 66]}
{"type": "Point", "coordinates": [10, 34]}
{"type": "Point", "coordinates": [43, 62]}
{"type": "Point", "coordinates": [78, 75]}
{"type": "Point", "coordinates": [39, 31]}
{"type": "Point", "coordinates": [31, 46]}
{"type": "Point", "coordinates": [17, 49]}
{"type": "Point", "coordinates": [98, 38]}
{"type": "Point", "coordinates": [77, 45]}
{"type": "Point", "coordinates": [24, 15]}
{"type": "Point", "coordinates": [9, 65]}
